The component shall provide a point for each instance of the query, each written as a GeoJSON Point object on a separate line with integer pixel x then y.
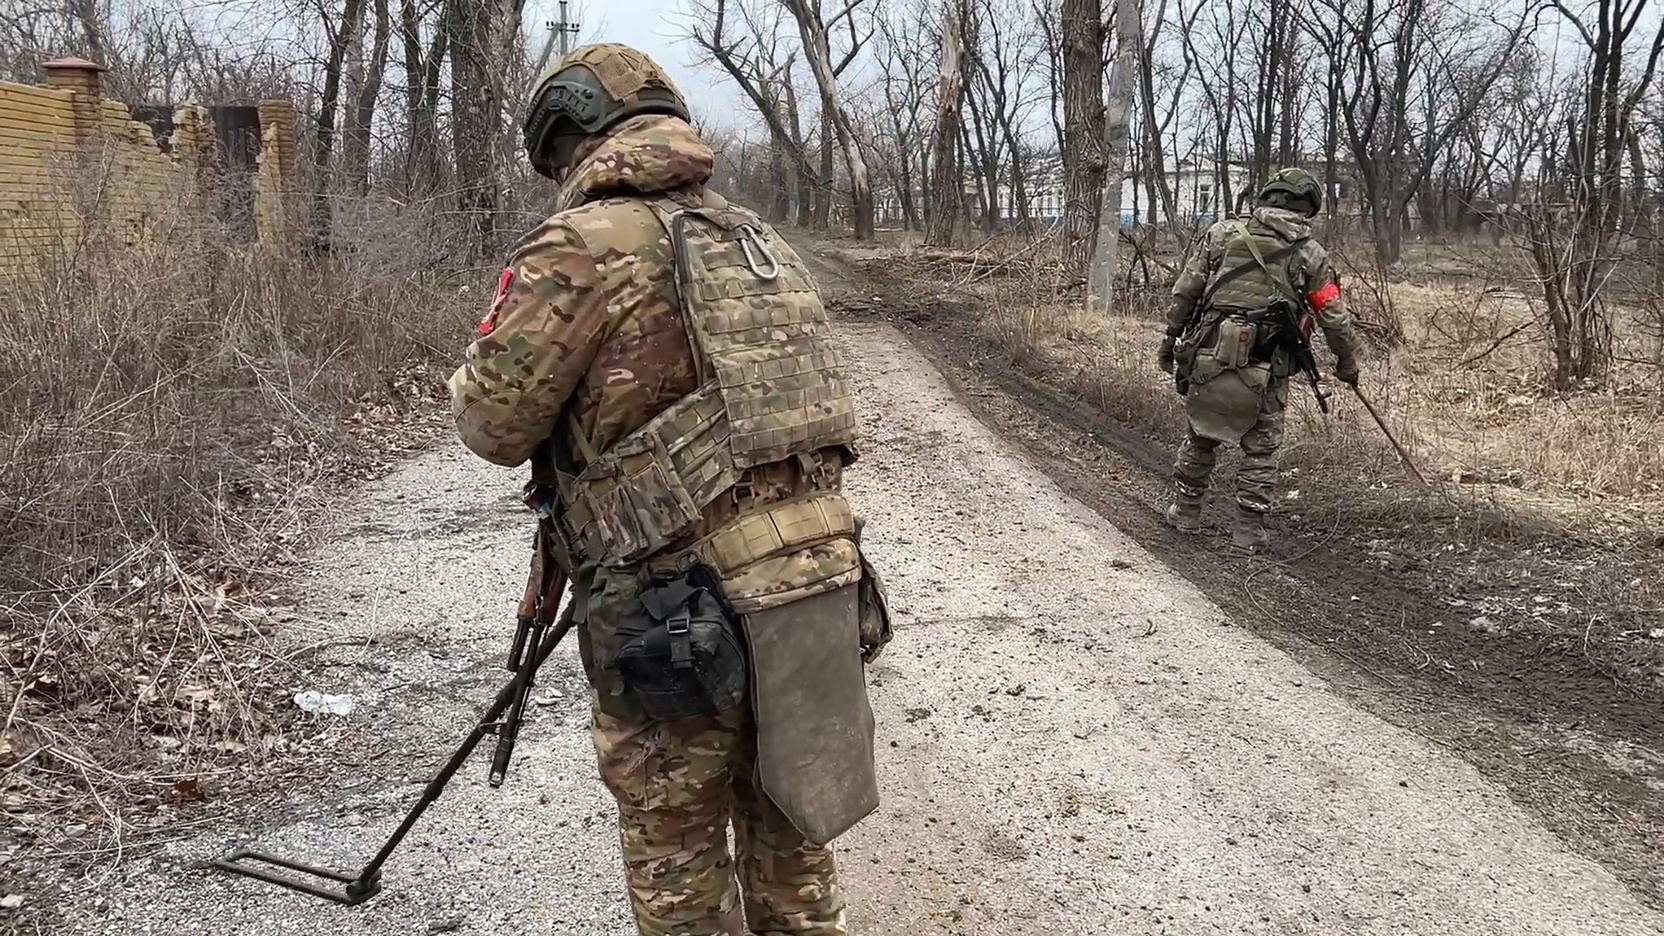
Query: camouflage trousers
{"type": "Point", "coordinates": [1256, 476]}
{"type": "Point", "coordinates": [679, 786]}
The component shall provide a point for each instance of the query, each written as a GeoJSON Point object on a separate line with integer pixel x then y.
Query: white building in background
{"type": "Point", "coordinates": [1197, 196]}
{"type": "Point", "coordinates": [1194, 183]}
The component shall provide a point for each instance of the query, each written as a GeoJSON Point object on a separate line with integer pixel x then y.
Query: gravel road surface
{"type": "Point", "coordinates": [1073, 739]}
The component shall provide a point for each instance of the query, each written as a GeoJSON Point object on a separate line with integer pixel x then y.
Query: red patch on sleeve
{"type": "Point", "coordinates": [1320, 300]}
{"type": "Point", "coordinates": [503, 282]}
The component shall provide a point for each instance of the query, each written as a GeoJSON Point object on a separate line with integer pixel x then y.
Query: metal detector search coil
{"type": "Point", "coordinates": [357, 888]}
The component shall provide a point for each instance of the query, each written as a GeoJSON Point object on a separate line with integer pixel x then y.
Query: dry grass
{"type": "Point", "coordinates": [172, 413]}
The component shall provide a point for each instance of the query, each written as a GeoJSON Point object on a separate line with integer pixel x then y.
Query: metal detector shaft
{"type": "Point", "coordinates": [1403, 455]}
{"type": "Point", "coordinates": [367, 883]}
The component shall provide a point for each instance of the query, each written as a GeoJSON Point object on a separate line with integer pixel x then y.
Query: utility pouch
{"type": "Point", "coordinates": [681, 653]}
{"type": "Point", "coordinates": [1235, 345]}
{"type": "Point", "coordinates": [874, 606]}
{"type": "Point", "coordinates": [1197, 338]}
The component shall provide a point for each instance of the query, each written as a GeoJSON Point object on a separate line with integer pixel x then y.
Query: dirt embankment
{"type": "Point", "coordinates": [1452, 620]}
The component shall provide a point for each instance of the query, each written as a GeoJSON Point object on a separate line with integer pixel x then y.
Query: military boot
{"type": "Point", "coordinates": [1185, 513]}
{"type": "Point", "coordinates": [1249, 533]}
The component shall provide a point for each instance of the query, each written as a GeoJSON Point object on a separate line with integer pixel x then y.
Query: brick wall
{"type": "Point", "coordinates": [78, 174]}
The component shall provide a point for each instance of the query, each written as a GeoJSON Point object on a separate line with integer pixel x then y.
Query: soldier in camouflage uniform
{"type": "Point", "coordinates": [662, 359]}
{"type": "Point", "coordinates": [1235, 390]}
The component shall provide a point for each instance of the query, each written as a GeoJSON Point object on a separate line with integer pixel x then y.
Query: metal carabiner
{"type": "Point", "coordinates": [748, 238]}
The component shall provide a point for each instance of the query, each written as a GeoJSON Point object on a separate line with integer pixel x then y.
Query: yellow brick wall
{"type": "Point", "coordinates": [37, 136]}
{"type": "Point", "coordinates": [276, 197]}
{"type": "Point", "coordinates": [74, 162]}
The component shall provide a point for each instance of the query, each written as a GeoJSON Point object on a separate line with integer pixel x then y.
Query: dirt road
{"type": "Point", "coordinates": [1073, 739]}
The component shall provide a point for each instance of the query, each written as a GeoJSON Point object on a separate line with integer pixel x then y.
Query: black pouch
{"type": "Point", "coordinates": [682, 654]}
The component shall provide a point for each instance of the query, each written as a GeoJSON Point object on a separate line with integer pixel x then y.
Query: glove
{"type": "Point", "coordinates": [1165, 356]}
{"type": "Point", "coordinates": [1346, 370]}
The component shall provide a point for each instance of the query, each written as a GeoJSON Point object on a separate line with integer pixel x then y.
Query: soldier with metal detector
{"type": "Point", "coordinates": [1243, 312]}
{"type": "Point", "coordinates": [662, 359]}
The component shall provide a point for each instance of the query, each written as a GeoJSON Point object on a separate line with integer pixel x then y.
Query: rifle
{"type": "Point", "coordinates": [531, 619]}
{"type": "Point", "coordinates": [1284, 318]}
{"type": "Point", "coordinates": [545, 584]}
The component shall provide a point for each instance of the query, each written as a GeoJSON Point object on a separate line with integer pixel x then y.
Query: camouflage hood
{"type": "Point", "coordinates": [644, 155]}
{"type": "Point", "coordinates": [1289, 225]}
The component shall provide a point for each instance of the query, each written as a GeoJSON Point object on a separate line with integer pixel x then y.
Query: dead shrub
{"type": "Point", "coordinates": [173, 409]}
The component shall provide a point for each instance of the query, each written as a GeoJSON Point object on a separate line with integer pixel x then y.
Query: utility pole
{"type": "Point", "coordinates": [559, 31]}
{"type": "Point", "coordinates": [564, 28]}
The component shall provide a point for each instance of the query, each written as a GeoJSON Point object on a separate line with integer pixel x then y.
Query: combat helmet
{"type": "Point", "coordinates": [1295, 185]}
{"type": "Point", "coordinates": [586, 93]}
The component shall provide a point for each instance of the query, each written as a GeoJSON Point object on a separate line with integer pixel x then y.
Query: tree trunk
{"type": "Point", "coordinates": [1158, 189]}
{"type": "Point", "coordinates": [1331, 144]}
{"type": "Point", "coordinates": [944, 168]}
{"type": "Point", "coordinates": [780, 208]}
{"type": "Point", "coordinates": [421, 94]}
{"type": "Point", "coordinates": [818, 51]}
{"type": "Point", "coordinates": [328, 106]}
{"type": "Point", "coordinates": [1083, 124]}
{"type": "Point", "coordinates": [86, 12]}
{"type": "Point", "coordinates": [355, 150]}
{"type": "Point", "coordinates": [828, 175]}
{"type": "Point", "coordinates": [1101, 288]}
{"type": "Point", "coordinates": [473, 121]}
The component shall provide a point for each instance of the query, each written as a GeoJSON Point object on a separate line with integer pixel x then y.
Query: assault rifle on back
{"type": "Point", "coordinates": [1279, 325]}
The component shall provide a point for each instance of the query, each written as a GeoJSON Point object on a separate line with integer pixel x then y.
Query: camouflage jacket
{"type": "Point", "coordinates": [592, 333]}
{"type": "Point", "coordinates": [1309, 271]}
{"type": "Point", "coordinates": [598, 332]}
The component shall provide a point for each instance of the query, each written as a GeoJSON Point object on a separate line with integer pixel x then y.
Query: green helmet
{"type": "Point", "coordinates": [586, 93]}
{"type": "Point", "coordinates": [1296, 185]}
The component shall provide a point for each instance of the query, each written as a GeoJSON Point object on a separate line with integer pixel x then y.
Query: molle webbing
{"type": "Point", "coordinates": [684, 448]}
{"type": "Point", "coordinates": [1256, 277]}
{"type": "Point", "coordinates": [772, 388]}
{"type": "Point", "coordinates": [775, 530]}
{"type": "Point", "coordinates": [756, 320]}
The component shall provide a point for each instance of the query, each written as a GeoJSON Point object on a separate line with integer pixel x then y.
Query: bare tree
{"type": "Point", "coordinates": [422, 70]}
{"type": "Point", "coordinates": [355, 151]}
{"type": "Point", "coordinates": [903, 66]}
{"type": "Point", "coordinates": [817, 48]}
{"type": "Point", "coordinates": [944, 164]}
{"type": "Point", "coordinates": [1390, 51]}
{"type": "Point", "coordinates": [475, 113]}
{"type": "Point", "coordinates": [1155, 123]}
{"type": "Point", "coordinates": [1106, 254]}
{"type": "Point", "coordinates": [1575, 253]}
{"type": "Point", "coordinates": [756, 61]}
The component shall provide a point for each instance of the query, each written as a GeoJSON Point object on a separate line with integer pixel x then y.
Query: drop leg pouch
{"type": "Point", "coordinates": [814, 722]}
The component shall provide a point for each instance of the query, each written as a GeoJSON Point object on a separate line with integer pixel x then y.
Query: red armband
{"type": "Point", "coordinates": [1321, 299]}
{"type": "Point", "coordinates": [503, 282]}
